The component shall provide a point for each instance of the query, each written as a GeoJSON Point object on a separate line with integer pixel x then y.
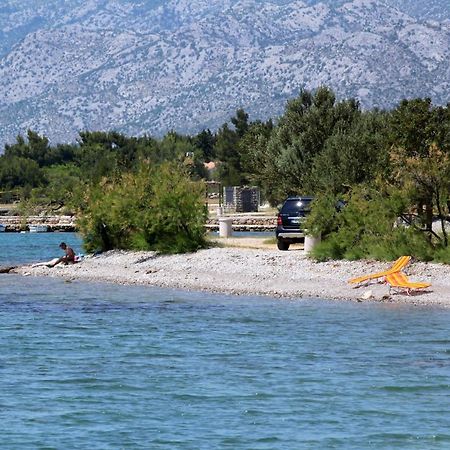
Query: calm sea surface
{"type": "Point", "coordinates": [97, 366]}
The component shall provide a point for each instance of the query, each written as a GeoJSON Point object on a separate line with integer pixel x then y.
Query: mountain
{"type": "Point", "coordinates": [147, 66]}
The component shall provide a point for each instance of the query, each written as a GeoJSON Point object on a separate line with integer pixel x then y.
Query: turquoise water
{"type": "Point", "coordinates": [101, 366]}
{"type": "Point", "coordinates": [16, 248]}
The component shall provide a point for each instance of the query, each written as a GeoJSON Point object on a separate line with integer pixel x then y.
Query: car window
{"type": "Point", "coordinates": [293, 206]}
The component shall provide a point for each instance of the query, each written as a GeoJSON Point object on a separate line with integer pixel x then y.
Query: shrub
{"type": "Point", "coordinates": [324, 217]}
{"type": "Point", "coordinates": [442, 255]}
{"type": "Point", "coordinates": [157, 208]}
{"type": "Point", "coordinates": [365, 228]}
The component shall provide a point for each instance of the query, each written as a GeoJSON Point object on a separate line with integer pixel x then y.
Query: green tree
{"type": "Point", "coordinates": [112, 146]}
{"type": "Point", "coordinates": [416, 127]}
{"type": "Point", "coordinates": [413, 126]}
{"type": "Point", "coordinates": [355, 153]}
{"type": "Point", "coordinates": [35, 148]}
{"type": "Point", "coordinates": [300, 137]}
{"type": "Point", "coordinates": [256, 165]}
{"type": "Point", "coordinates": [205, 142]}
{"type": "Point", "coordinates": [61, 154]}
{"type": "Point", "coordinates": [240, 123]}
{"type": "Point", "coordinates": [174, 147]}
{"type": "Point", "coordinates": [177, 214]}
{"type": "Point", "coordinates": [366, 227]}
{"type": "Point", "coordinates": [64, 186]}
{"type": "Point", "coordinates": [425, 176]}
{"type": "Point", "coordinates": [96, 162]}
{"type": "Point", "coordinates": [16, 171]}
{"type": "Point", "coordinates": [156, 208]}
{"type": "Point", "coordinates": [228, 150]}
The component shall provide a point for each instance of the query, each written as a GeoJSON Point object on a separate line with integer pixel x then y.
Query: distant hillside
{"type": "Point", "coordinates": [189, 64]}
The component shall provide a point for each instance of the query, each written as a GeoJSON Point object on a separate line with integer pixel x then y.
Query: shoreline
{"type": "Point", "coordinates": [67, 223]}
{"type": "Point", "coordinates": [249, 270]}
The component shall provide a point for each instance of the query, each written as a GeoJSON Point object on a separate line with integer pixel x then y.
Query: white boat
{"type": "Point", "coordinates": [2, 228]}
{"type": "Point", "coordinates": [38, 228]}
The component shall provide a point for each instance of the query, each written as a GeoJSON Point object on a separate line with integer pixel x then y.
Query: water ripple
{"type": "Point", "coordinates": [133, 367]}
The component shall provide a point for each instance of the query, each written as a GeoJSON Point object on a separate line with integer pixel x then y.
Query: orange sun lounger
{"type": "Point", "coordinates": [396, 267]}
{"type": "Point", "coordinates": [399, 280]}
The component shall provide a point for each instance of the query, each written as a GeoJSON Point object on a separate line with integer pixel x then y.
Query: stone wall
{"type": "Point", "coordinates": [67, 223]}
{"type": "Point", "coordinates": [242, 223]}
{"type": "Point", "coordinates": [54, 223]}
{"type": "Point", "coordinates": [242, 198]}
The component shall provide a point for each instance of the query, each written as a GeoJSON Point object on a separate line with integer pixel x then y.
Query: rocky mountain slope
{"type": "Point", "coordinates": [150, 66]}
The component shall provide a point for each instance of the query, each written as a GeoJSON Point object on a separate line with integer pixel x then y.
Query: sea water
{"type": "Point", "coordinates": [101, 366]}
{"type": "Point", "coordinates": [19, 248]}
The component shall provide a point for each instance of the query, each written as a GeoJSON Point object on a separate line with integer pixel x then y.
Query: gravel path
{"type": "Point", "coordinates": [252, 271]}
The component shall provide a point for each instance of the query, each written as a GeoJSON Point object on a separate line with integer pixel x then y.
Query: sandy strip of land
{"type": "Point", "coordinates": [252, 269]}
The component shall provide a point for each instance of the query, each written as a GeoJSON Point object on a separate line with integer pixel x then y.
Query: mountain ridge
{"type": "Point", "coordinates": [188, 65]}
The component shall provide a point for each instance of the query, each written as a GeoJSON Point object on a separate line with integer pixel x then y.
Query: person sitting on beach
{"type": "Point", "coordinates": [68, 258]}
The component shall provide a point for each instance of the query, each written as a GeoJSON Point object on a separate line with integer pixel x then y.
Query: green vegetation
{"type": "Point", "coordinates": [390, 167]}
{"type": "Point", "coordinates": [136, 193]}
{"type": "Point", "coordinates": [155, 208]}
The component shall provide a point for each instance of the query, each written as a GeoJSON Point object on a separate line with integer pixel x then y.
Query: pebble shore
{"type": "Point", "coordinates": [252, 271]}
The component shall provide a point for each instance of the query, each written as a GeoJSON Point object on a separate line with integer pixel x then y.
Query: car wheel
{"type": "Point", "coordinates": [282, 245]}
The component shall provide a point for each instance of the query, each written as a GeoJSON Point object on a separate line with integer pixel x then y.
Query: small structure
{"type": "Point", "coordinates": [242, 198]}
{"type": "Point", "coordinates": [225, 226]}
{"type": "Point", "coordinates": [311, 242]}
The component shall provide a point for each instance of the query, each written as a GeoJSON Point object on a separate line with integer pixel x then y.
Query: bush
{"type": "Point", "coordinates": [17, 172]}
{"type": "Point", "coordinates": [365, 228]}
{"type": "Point", "coordinates": [154, 209]}
{"type": "Point", "coordinates": [324, 216]}
{"type": "Point", "coordinates": [442, 255]}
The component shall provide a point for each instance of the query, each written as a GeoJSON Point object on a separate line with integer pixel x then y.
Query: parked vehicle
{"type": "Point", "coordinates": [2, 228]}
{"type": "Point", "coordinates": [290, 222]}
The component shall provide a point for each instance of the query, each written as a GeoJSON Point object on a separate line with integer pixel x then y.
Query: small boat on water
{"type": "Point", "coordinates": [2, 228]}
{"type": "Point", "coordinates": [38, 228]}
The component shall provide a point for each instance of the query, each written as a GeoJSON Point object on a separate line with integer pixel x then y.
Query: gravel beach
{"type": "Point", "coordinates": [249, 268]}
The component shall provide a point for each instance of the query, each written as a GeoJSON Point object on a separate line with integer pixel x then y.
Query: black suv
{"type": "Point", "coordinates": [290, 222]}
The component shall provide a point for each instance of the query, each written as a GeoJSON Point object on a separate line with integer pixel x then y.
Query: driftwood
{"type": "Point", "coordinates": [7, 269]}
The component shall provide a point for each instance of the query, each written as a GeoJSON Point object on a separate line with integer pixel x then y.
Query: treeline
{"type": "Point", "coordinates": [384, 164]}
{"type": "Point", "coordinates": [32, 167]}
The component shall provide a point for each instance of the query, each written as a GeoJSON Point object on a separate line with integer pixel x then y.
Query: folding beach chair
{"type": "Point", "coordinates": [396, 267]}
{"type": "Point", "coordinates": [399, 280]}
